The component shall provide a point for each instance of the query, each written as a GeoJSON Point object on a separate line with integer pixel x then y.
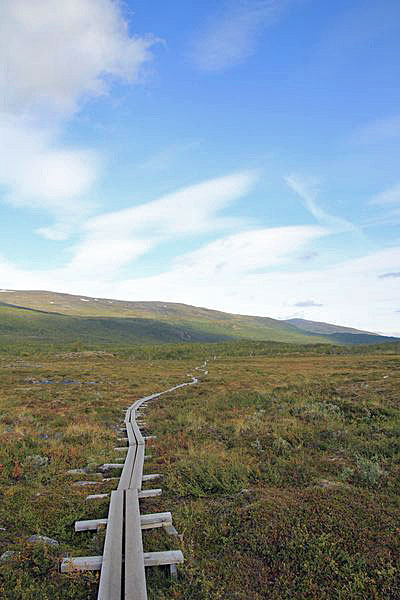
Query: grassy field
{"type": "Point", "coordinates": [281, 468]}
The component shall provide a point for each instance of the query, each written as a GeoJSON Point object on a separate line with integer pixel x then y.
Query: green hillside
{"type": "Point", "coordinates": [54, 314]}
{"type": "Point", "coordinates": [55, 317]}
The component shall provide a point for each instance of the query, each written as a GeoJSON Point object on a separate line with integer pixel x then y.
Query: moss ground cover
{"type": "Point", "coordinates": [281, 471]}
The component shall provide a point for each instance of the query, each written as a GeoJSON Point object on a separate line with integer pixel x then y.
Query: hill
{"type": "Point", "coordinates": [52, 316]}
{"type": "Point", "coordinates": [339, 334]}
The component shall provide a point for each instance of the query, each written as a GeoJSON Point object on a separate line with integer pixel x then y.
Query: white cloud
{"type": "Point", "coordinates": [117, 238]}
{"type": "Point", "coordinates": [190, 210]}
{"type": "Point", "coordinates": [39, 174]}
{"type": "Point", "coordinates": [389, 196]}
{"type": "Point", "coordinates": [232, 36]}
{"type": "Point", "coordinates": [388, 204]}
{"type": "Point", "coordinates": [308, 189]}
{"type": "Point", "coordinates": [307, 304]}
{"type": "Point", "coordinates": [51, 58]}
{"type": "Point", "coordinates": [51, 62]}
{"type": "Point", "coordinates": [246, 252]}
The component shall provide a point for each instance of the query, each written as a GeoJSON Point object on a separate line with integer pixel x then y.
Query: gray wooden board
{"type": "Point", "coordinates": [138, 435]}
{"type": "Point", "coordinates": [131, 435]}
{"type": "Point", "coordinates": [126, 475]}
{"type": "Point", "coordinates": [151, 476]}
{"type": "Point", "coordinates": [149, 521]}
{"type": "Point", "coordinates": [135, 578]}
{"type": "Point", "coordinates": [168, 557]}
{"type": "Point", "coordinates": [136, 481]}
{"type": "Point", "coordinates": [81, 563]}
{"type": "Point", "coordinates": [94, 563]}
{"type": "Point", "coordinates": [111, 570]}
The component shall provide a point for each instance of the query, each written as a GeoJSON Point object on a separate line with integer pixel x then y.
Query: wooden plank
{"type": "Point", "coordinates": [137, 475]}
{"type": "Point", "coordinates": [131, 435]}
{"type": "Point", "coordinates": [168, 557]}
{"type": "Point", "coordinates": [94, 563]}
{"type": "Point", "coordinates": [138, 435]}
{"type": "Point", "coordinates": [79, 483]}
{"type": "Point", "coordinates": [151, 477]}
{"type": "Point", "coordinates": [90, 525]}
{"type": "Point", "coordinates": [149, 493]}
{"type": "Point", "coordinates": [109, 466]}
{"type": "Point", "coordinates": [154, 520]}
{"type": "Point", "coordinates": [127, 471]}
{"type": "Point", "coordinates": [135, 578]}
{"type": "Point", "coordinates": [81, 563]}
{"type": "Point", "coordinates": [96, 496]}
{"type": "Point", "coordinates": [150, 521]}
{"type": "Point", "coordinates": [111, 570]}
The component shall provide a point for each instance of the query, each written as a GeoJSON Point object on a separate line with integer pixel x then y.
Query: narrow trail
{"type": "Point", "coordinates": [123, 562]}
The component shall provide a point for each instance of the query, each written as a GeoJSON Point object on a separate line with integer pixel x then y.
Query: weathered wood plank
{"type": "Point", "coordinates": [151, 477]}
{"type": "Point", "coordinates": [110, 466]}
{"type": "Point", "coordinates": [111, 569]}
{"type": "Point", "coordinates": [149, 493]}
{"type": "Point", "coordinates": [90, 524]}
{"type": "Point", "coordinates": [168, 557]}
{"type": "Point", "coordinates": [153, 520]}
{"type": "Point", "coordinates": [127, 471]}
{"type": "Point", "coordinates": [94, 563]}
{"type": "Point", "coordinates": [131, 435]}
{"type": "Point", "coordinates": [135, 578]}
{"type": "Point", "coordinates": [136, 481]}
{"type": "Point", "coordinates": [81, 563]}
{"type": "Point", "coordinates": [96, 496]}
{"type": "Point", "coordinates": [150, 521]}
{"type": "Point", "coordinates": [139, 438]}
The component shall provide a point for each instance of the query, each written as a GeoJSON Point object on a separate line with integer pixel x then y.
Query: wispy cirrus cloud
{"type": "Point", "coordinates": [190, 211]}
{"type": "Point", "coordinates": [52, 62]}
{"type": "Point", "coordinates": [231, 35]}
{"type": "Point", "coordinates": [308, 189]}
{"type": "Point", "coordinates": [389, 196]}
{"type": "Point", "coordinates": [387, 204]}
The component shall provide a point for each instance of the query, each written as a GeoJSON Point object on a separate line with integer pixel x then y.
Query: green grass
{"type": "Point", "coordinates": [281, 468]}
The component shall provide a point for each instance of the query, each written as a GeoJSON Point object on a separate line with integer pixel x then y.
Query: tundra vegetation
{"type": "Point", "coordinates": [281, 467]}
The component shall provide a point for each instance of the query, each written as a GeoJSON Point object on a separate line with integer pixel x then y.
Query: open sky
{"type": "Point", "coordinates": [241, 155]}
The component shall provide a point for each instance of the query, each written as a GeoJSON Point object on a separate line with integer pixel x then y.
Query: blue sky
{"type": "Point", "coordinates": [237, 154]}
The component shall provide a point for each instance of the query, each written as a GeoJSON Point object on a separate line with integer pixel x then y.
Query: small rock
{"type": "Point", "coordinates": [44, 436]}
{"type": "Point", "coordinates": [7, 555]}
{"type": "Point", "coordinates": [327, 483]}
{"type": "Point", "coordinates": [36, 461]}
{"type": "Point", "coordinates": [42, 539]}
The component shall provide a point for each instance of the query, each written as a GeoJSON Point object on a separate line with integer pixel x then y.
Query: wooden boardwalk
{"type": "Point", "coordinates": [123, 562]}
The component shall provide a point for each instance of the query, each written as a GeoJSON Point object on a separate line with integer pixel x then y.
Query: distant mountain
{"type": "Point", "coordinates": [319, 327]}
{"type": "Point", "coordinates": [53, 316]}
{"type": "Point", "coordinates": [343, 335]}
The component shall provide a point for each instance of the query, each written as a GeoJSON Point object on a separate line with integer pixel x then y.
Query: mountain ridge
{"type": "Point", "coordinates": [135, 321]}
